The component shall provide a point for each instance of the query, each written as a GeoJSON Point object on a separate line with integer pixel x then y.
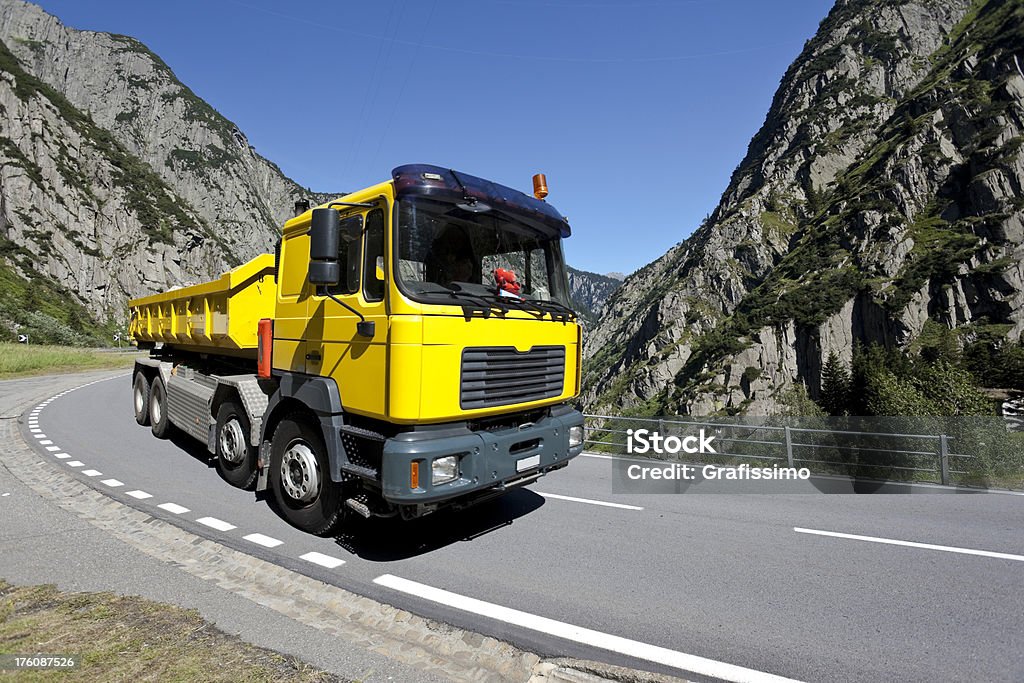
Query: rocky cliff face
{"type": "Point", "coordinates": [589, 292]}
{"type": "Point", "coordinates": [883, 189]}
{"type": "Point", "coordinates": [117, 180]}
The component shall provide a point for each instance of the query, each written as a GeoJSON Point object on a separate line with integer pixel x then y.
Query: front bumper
{"type": "Point", "coordinates": [487, 459]}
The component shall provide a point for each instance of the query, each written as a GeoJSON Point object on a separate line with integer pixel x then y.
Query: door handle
{"type": "Point", "coordinates": [313, 356]}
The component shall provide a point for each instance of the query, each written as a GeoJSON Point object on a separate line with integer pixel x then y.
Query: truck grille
{"type": "Point", "coordinates": [500, 375]}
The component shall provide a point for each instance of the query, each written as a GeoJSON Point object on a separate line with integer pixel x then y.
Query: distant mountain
{"type": "Point", "coordinates": [882, 191]}
{"type": "Point", "coordinates": [590, 291]}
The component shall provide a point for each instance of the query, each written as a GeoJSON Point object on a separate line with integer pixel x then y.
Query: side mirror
{"type": "Point", "coordinates": [324, 268]}
{"type": "Point", "coordinates": [378, 271]}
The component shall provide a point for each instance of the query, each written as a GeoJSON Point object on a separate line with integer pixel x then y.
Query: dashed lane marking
{"type": "Point", "coordinates": [322, 560]}
{"type": "Point", "coordinates": [217, 524]}
{"type": "Point", "coordinates": [112, 483]}
{"type": "Point", "coordinates": [141, 495]}
{"type": "Point", "coordinates": [173, 507]}
{"type": "Point", "coordinates": [265, 541]}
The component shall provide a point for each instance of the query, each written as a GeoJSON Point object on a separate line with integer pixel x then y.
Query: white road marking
{"type": "Point", "coordinates": [39, 436]}
{"type": "Point", "coordinates": [62, 456]}
{"type": "Point", "coordinates": [75, 463]}
{"type": "Point", "coordinates": [35, 431]}
{"type": "Point", "coordinates": [112, 483]}
{"type": "Point", "coordinates": [587, 500]}
{"type": "Point", "coordinates": [47, 442]}
{"type": "Point", "coordinates": [912, 544]}
{"type": "Point", "coordinates": [141, 495]}
{"type": "Point", "coordinates": [215, 523]}
{"type": "Point", "coordinates": [595, 455]}
{"type": "Point", "coordinates": [53, 449]}
{"type": "Point", "coordinates": [91, 473]}
{"type": "Point", "coordinates": [560, 629]}
{"type": "Point", "coordinates": [322, 560]}
{"type": "Point", "coordinates": [173, 507]}
{"type": "Point", "coordinates": [265, 541]}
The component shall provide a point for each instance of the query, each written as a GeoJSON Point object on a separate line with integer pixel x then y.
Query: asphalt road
{"type": "Point", "coordinates": [651, 581]}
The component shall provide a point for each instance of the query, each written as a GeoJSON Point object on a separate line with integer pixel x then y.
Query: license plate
{"type": "Point", "coordinates": [527, 463]}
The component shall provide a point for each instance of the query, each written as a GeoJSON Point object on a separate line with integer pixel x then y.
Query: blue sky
{"type": "Point", "coordinates": [638, 112]}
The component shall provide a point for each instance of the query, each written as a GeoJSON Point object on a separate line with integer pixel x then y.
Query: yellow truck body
{"type": "Point", "coordinates": [423, 322]}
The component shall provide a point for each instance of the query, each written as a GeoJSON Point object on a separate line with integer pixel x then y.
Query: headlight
{"type": "Point", "coordinates": [575, 436]}
{"type": "Point", "coordinates": [444, 469]}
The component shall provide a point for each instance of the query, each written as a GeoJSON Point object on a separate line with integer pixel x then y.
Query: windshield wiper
{"type": "Point", "coordinates": [519, 303]}
{"type": "Point", "coordinates": [557, 310]}
{"type": "Point", "coordinates": [470, 303]}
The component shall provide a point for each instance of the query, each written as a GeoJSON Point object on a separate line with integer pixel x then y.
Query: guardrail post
{"type": "Point", "coordinates": [944, 458]}
{"type": "Point", "coordinates": [789, 448]}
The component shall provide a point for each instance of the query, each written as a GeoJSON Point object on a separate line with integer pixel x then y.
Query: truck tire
{"type": "Point", "coordinates": [301, 481]}
{"type": "Point", "coordinates": [236, 457]}
{"type": "Point", "coordinates": [158, 420]}
{"type": "Point", "coordinates": [140, 398]}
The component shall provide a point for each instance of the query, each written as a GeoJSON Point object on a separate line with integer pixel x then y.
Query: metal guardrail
{"type": "Point", "coordinates": [856, 451]}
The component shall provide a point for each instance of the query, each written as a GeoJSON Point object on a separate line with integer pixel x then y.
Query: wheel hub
{"type": "Point", "coordinates": [300, 473]}
{"type": "Point", "coordinates": [139, 399]}
{"type": "Point", "coordinates": [232, 441]}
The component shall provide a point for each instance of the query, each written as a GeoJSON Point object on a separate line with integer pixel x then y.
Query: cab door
{"type": "Point", "coordinates": [356, 362]}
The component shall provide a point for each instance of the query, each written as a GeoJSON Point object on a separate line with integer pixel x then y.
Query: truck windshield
{"type": "Point", "coordinates": [447, 251]}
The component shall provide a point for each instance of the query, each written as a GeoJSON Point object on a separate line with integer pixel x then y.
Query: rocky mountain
{"type": "Point", "coordinates": [882, 191]}
{"type": "Point", "coordinates": [115, 179]}
{"type": "Point", "coordinates": [589, 291]}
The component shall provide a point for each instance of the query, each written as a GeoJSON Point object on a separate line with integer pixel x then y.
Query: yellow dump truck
{"type": "Point", "coordinates": [409, 346]}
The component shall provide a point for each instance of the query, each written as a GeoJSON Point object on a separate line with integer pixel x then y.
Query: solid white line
{"type": "Point", "coordinates": [912, 544]}
{"type": "Point", "coordinates": [62, 456]}
{"type": "Point", "coordinates": [173, 507]}
{"type": "Point", "coordinates": [559, 629]}
{"type": "Point", "coordinates": [322, 560]}
{"type": "Point", "coordinates": [587, 500]}
{"type": "Point", "coordinates": [595, 455]}
{"type": "Point", "coordinates": [141, 495]}
{"type": "Point", "coordinates": [265, 541]}
{"type": "Point", "coordinates": [91, 473]}
{"type": "Point", "coordinates": [75, 463]}
{"type": "Point", "coordinates": [215, 523]}
{"type": "Point", "coordinates": [112, 483]}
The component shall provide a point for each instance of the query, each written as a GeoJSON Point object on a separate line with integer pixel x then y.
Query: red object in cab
{"type": "Point", "coordinates": [506, 280]}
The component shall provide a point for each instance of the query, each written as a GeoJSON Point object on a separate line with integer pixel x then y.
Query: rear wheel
{"type": "Point", "coordinates": [140, 398]}
{"type": "Point", "coordinates": [301, 480]}
{"type": "Point", "coordinates": [158, 421]}
{"type": "Point", "coordinates": [236, 458]}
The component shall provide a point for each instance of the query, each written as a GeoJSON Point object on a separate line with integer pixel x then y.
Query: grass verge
{"type": "Point", "coordinates": [19, 360]}
{"type": "Point", "coordinates": [122, 638]}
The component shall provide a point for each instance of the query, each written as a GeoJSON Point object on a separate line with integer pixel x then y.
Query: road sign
{"type": "Point", "coordinates": [117, 337]}
{"type": "Point", "coordinates": [23, 339]}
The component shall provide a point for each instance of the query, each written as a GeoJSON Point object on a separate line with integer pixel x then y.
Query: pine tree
{"type": "Point", "coordinates": [835, 386]}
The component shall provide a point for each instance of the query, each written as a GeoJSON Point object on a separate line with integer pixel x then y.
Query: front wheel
{"type": "Point", "coordinates": [301, 481]}
{"type": "Point", "coordinates": [236, 458]}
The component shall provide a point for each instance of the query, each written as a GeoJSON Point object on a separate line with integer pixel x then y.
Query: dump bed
{"type": "Point", "coordinates": [221, 315]}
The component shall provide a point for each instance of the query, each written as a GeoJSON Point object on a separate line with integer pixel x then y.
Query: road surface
{"type": "Point", "coordinates": [809, 587]}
